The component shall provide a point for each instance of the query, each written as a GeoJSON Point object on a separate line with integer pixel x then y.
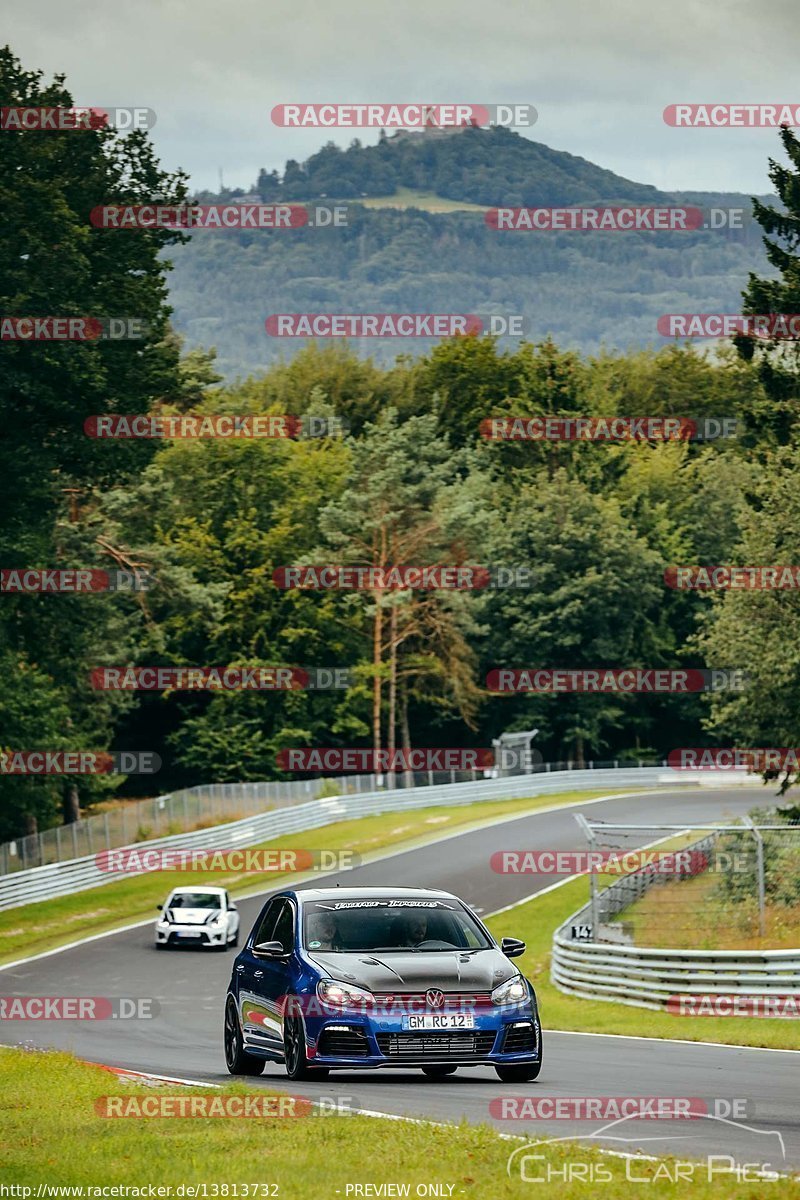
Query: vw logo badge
{"type": "Point", "coordinates": [434, 998]}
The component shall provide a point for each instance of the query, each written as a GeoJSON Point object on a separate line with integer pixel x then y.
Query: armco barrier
{"type": "Point", "coordinates": [646, 977]}
{"type": "Point", "coordinates": [64, 878]}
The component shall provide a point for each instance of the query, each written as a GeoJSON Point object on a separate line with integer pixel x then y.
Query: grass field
{"type": "Point", "coordinates": [413, 198]}
{"type": "Point", "coordinates": [53, 1136]}
{"type": "Point", "coordinates": [50, 923]}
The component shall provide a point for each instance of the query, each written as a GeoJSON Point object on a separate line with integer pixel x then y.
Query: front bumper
{"type": "Point", "coordinates": [503, 1036]}
{"type": "Point", "coordinates": [172, 934]}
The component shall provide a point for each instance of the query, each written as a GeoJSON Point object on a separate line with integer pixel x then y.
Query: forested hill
{"type": "Point", "coordinates": [480, 166]}
{"type": "Point", "coordinates": [585, 289]}
{"type": "Point", "coordinates": [483, 166]}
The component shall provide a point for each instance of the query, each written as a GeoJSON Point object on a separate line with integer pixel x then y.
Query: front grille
{"type": "Point", "coordinates": [461, 1043]}
{"type": "Point", "coordinates": [343, 1043]}
{"type": "Point", "coordinates": [519, 1038]}
{"type": "Point", "coordinates": [416, 1002]}
{"type": "Point", "coordinates": [175, 939]}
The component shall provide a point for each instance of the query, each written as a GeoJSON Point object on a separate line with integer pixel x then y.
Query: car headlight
{"type": "Point", "coordinates": [343, 995]}
{"type": "Point", "coordinates": [513, 991]}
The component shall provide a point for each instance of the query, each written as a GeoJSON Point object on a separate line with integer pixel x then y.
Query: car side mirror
{"type": "Point", "coordinates": [269, 950]}
{"type": "Point", "coordinates": [512, 947]}
{"type": "Point", "coordinates": [232, 907]}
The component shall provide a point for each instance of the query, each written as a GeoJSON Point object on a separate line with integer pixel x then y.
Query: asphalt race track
{"type": "Point", "coordinates": [185, 1038]}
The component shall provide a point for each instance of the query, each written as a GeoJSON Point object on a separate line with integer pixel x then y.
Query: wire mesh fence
{"type": "Point", "coordinates": [700, 882]}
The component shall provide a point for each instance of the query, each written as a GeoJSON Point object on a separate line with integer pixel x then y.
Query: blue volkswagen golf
{"type": "Point", "coordinates": [335, 978]}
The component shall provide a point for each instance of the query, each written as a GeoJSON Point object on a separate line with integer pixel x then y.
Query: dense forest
{"type": "Point", "coordinates": [411, 480]}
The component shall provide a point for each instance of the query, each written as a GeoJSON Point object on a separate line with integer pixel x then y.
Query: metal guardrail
{"type": "Point", "coordinates": [64, 878]}
{"type": "Point", "coordinates": [646, 977]}
{"type": "Point", "coordinates": [210, 804]}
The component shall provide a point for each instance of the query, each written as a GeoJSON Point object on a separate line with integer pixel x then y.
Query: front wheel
{"type": "Point", "coordinates": [438, 1072]}
{"type": "Point", "coordinates": [519, 1074]}
{"type": "Point", "coordinates": [294, 1050]}
{"type": "Point", "coordinates": [237, 1060]}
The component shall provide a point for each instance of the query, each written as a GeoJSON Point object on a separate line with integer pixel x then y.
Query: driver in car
{"type": "Point", "coordinates": [417, 928]}
{"type": "Point", "coordinates": [324, 933]}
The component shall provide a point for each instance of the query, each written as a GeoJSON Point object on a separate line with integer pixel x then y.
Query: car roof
{"type": "Point", "coordinates": [374, 893]}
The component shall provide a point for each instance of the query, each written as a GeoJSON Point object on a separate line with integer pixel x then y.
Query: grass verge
{"type": "Point", "coordinates": [53, 1136]}
{"type": "Point", "coordinates": [534, 922]}
{"type": "Point", "coordinates": [50, 923]}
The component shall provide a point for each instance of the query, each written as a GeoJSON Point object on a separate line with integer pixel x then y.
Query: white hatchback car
{"type": "Point", "coordinates": [204, 916]}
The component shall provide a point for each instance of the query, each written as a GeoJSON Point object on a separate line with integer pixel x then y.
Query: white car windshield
{"type": "Point", "coordinates": [195, 900]}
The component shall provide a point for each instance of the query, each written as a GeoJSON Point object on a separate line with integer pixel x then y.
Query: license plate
{"type": "Point", "coordinates": [439, 1021]}
{"type": "Point", "coordinates": [182, 935]}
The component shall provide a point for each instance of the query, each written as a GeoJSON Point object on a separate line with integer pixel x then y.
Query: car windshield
{"type": "Point", "coordinates": [195, 900]}
{"type": "Point", "coordinates": [387, 925]}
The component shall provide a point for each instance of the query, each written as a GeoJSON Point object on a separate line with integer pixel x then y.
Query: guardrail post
{"type": "Point", "coordinates": [589, 832]}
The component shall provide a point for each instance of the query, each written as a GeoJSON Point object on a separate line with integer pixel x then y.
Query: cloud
{"type": "Point", "coordinates": [599, 74]}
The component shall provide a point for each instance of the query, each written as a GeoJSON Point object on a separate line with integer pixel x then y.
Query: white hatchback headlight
{"type": "Point", "coordinates": [513, 991]}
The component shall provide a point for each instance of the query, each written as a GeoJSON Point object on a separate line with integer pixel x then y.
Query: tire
{"type": "Point", "coordinates": [438, 1072]}
{"type": "Point", "coordinates": [235, 941]}
{"type": "Point", "coordinates": [237, 1060]}
{"type": "Point", "coordinates": [294, 1049]}
{"type": "Point", "coordinates": [161, 945]}
{"type": "Point", "coordinates": [519, 1074]}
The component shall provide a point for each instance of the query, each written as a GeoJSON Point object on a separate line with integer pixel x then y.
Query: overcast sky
{"type": "Point", "coordinates": [599, 72]}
